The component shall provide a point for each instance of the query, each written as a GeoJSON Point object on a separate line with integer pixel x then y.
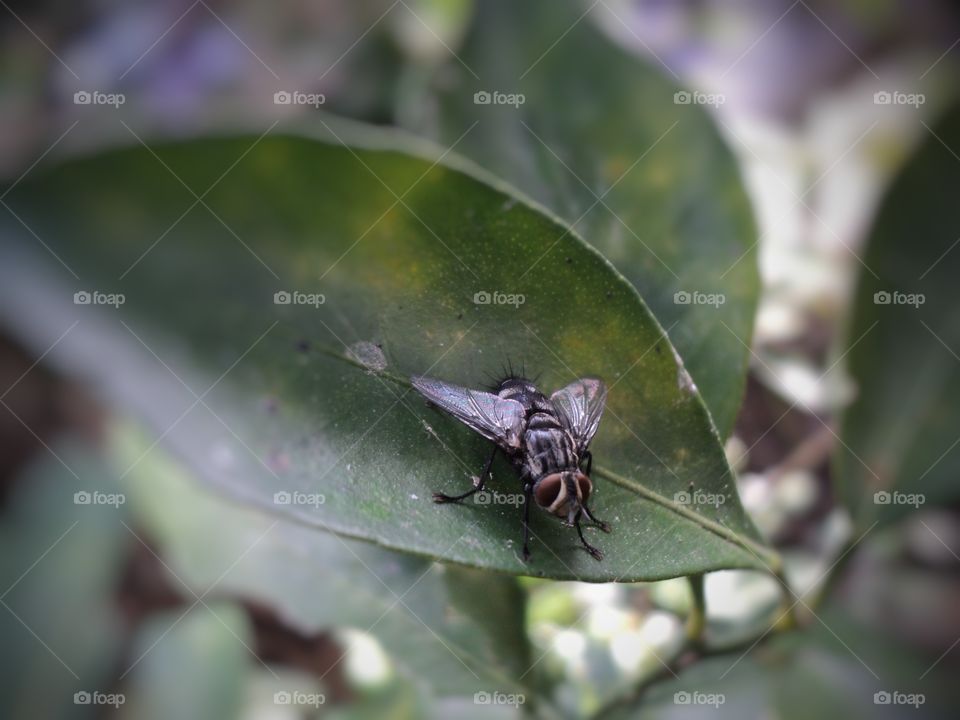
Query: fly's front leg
{"type": "Point", "coordinates": [599, 523]}
{"type": "Point", "coordinates": [588, 459]}
{"type": "Point", "coordinates": [594, 552]}
{"type": "Point", "coordinates": [527, 497]}
{"type": "Point", "coordinates": [441, 498]}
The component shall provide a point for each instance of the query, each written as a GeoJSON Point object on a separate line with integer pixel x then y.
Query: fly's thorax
{"type": "Point", "coordinates": [563, 493]}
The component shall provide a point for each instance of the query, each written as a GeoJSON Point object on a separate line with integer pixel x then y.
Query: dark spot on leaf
{"type": "Point", "coordinates": [303, 346]}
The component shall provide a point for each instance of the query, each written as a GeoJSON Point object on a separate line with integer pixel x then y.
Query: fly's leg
{"type": "Point", "coordinates": [599, 523]}
{"type": "Point", "coordinates": [441, 498]}
{"type": "Point", "coordinates": [594, 552]}
{"type": "Point", "coordinates": [588, 458]}
{"type": "Point", "coordinates": [527, 497]}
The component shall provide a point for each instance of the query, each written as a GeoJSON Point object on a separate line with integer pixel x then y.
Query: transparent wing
{"type": "Point", "coordinates": [579, 407]}
{"type": "Point", "coordinates": [499, 420]}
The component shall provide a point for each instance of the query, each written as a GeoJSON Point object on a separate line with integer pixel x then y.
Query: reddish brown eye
{"type": "Point", "coordinates": [548, 490]}
{"type": "Point", "coordinates": [585, 486]}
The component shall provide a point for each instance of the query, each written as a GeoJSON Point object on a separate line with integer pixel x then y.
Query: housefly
{"type": "Point", "coordinates": [545, 439]}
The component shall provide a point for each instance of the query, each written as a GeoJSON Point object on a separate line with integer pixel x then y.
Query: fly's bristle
{"type": "Point", "coordinates": [507, 373]}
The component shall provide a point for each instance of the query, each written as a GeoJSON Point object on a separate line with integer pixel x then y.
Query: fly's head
{"type": "Point", "coordinates": [563, 493]}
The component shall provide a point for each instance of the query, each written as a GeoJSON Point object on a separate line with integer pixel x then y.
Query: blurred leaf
{"type": "Point", "coordinates": [316, 581]}
{"type": "Point", "coordinates": [192, 664]}
{"type": "Point", "coordinates": [59, 570]}
{"type": "Point", "coordinates": [600, 141]}
{"type": "Point", "coordinates": [498, 605]}
{"type": "Point", "coordinates": [900, 434]}
{"type": "Point", "coordinates": [273, 406]}
{"type": "Point", "coordinates": [829, 670]}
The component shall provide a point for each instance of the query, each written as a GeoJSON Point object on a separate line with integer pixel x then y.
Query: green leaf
{"type": "Point", "coordinates": [600, 141]}
{"type": "Point", "coordinates": [192, 664]}
{"type": "Point", "coordinates": [317, 581]}
{"type": "Point", "coordinates": [900, 434]}
{"type": "Point", "coordinates": [60, 565]}
{"type": "Point", "coordinates": [262, 398]}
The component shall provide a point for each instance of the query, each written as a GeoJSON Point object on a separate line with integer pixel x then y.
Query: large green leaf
{"type": "Point", "coordinates": [262, 398]}
{"type": "Point", "coordinates": [601, 141]}
{"type": "Point", "coordinates": [900, 434]}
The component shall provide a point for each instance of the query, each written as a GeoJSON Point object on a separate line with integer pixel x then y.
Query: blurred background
{"type": "Point", "coordinates": [821, 102]}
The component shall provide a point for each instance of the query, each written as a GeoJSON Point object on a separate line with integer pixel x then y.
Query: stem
{"type": "Point", "coordinates": [697, 621]}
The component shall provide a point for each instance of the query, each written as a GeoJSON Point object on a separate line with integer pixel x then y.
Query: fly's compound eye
{"type": "Point", "coordinates": [548, 490]}
{"type": "Point", "coordinates": [584, 486]}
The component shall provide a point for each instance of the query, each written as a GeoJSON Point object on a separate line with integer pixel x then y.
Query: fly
{"type": "Point", "coordinates": [545, 439]}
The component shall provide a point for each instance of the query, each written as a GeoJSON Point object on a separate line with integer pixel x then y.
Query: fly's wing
{"type": "Point", "coordinates": [579, 407]}
{"type": "Point", "coordinates": [497, 419]}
